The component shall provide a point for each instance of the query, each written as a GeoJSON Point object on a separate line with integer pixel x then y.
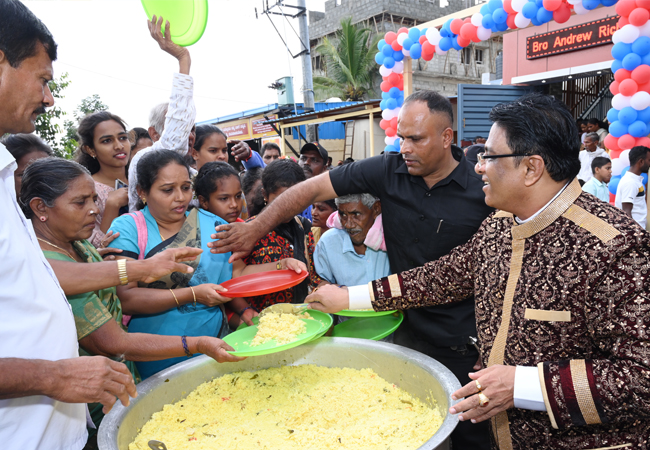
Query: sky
{"type": "Point", "coordinates": [106, 48]}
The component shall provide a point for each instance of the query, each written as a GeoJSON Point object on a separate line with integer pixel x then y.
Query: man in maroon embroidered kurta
{"type": "Point", "coordinates": [565, 291]}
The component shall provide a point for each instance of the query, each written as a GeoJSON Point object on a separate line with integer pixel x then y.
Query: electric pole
{"type": "Point", "coordinates": [307, 83]}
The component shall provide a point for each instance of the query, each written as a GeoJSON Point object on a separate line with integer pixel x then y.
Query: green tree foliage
{"type": "Point", "coordinates": [88, 105]}
{"type": "Point", "coordinates": [46, 126]}
{"type": "Point", "coordinates": [350, 64]}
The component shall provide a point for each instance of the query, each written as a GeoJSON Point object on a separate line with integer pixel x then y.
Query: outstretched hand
{"type": "Point", "coordinates": [165, 42]}
{"type": "Point", "coordinates": [217, 349]}
{"type": "Point", "coordinates": [237, 238]}
{"type": "Point", "coordinates": [329, 298]}
{"type": "Point", "coordinates": [240, 150]}
{"type": "Point", "coordinates": [169, 261]}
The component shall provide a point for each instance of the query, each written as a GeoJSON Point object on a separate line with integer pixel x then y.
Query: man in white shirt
{"type": "Point", "coordinates": [587, 156]}
{"type": "Point", "coordinates": [43, 381]}
{"type": "Point", "coordinates": [630, 193]}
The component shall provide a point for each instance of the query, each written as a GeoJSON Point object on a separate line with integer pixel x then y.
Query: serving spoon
{"type": "Point", "coordinates": [157, 445]}
{"type": "Point", "coordinates": [285, 308]}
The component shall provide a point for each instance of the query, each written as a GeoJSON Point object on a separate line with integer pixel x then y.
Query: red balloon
{"type": "Point", "coordinates": [463, 42]}
{"type": "Point", "coordinates": [643, 4]}
{"type": "Point", "coordinates": [628, 87]}
{"type": "Point", "coordinates": [423, 39]}
{"type": "Point", "coordinates": [641, 74]}
{"type": "Point", "coordinates": [644, 87]}
{"type": "Point", "coordinates": [383, 124]}
{"type": "Point", "coordinates": [428, 47]}
{"type": "Point", "coordinates": [562, 14]}
{"type": "Point", "coordinates": [624, 8]}
{"type": "Point", "coordinates": [390, 37]}
{"type": "Point", "coordinates": [644, 141]}
{"type": "Point", "coordinates": [612, 144]}
{"type": "Point", "coordinates": [396, 46]}
{"type": "Point", "coordinates": [613, 154]}
{"type": "Point", "coordinates": [393, 123]}
{"type": "Point", "coordinates": [403, 30]}
{"type": "Point", "coordinates": [612, 198]}
{"type": "Point", "coordinates": [622, 74]}
{"type": "Point", "coordinates": [626, 142]}
{"type": "Point", "coordinates": [393, 78]}
{"type": "Point", "coordinates": [467, 20]}
{"type": "Point", "coordinates": [511, 21]}
{"type": "Point", "coordinates": [614, 87]}
{"type": "Point", "coordinates": [622, 22]}
{"type": "Point", "coordinates": [427, 56]}
{"type": "Point", "coordinates": [400, 85]}
{"type": "Point", "coordinates": [467, 31]}
{"type": "Point", "coordinates": [552, 5]}
{"type": "Point", "coordinates": [507, 5]}
{"type": "Point", "coordinates": [390, 132]}
{"type": "Point", "coordinates": [456, 25]}
{"type": "Point", "coordinates": [385, 86]}
{"type": "Point", "coordinates": [639, 16]}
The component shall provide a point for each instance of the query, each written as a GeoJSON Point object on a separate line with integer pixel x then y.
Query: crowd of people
{"type": "Point", "coordinates": [529, 287]}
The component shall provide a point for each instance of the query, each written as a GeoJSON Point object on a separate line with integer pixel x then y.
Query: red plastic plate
{"type": "Point", "coordinates": [262, 283]}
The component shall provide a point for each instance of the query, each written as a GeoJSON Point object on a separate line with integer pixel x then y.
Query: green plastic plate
{"type": "Point", "coordinates": [240, 340]}
{"type": "Point", "coordinates": [374, 328]}
{"type": "Point", "coordinates": [359, 313]}
{"type": "Point", "coordinates": [188, 18]}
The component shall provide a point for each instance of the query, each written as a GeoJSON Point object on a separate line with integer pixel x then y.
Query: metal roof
{"type": "Point", "coordinates": [348, 107]}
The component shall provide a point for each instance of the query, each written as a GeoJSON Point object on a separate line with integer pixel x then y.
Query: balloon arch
{"type": "Point", "coordinates": [629, 116]}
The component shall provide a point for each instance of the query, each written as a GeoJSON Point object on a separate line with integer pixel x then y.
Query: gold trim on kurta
{"type": "Point", "coordinates": [500, 214]}
{"type": "Point", "coordinates": [544, 315]}
{"type": "Point", "coordinates": [612, 448]}
{"type": "Point", "coordinates": [393, 283]}
{"type": "Point", "coordinates": [542, 383]}
{"type": "Point", "coordinates": [596, 226]}
{"type": "Point", "coordinates": [583, 392]}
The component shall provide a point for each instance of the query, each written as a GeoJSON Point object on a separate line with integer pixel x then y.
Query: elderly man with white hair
{"type": "Point", "coordinates": [342, 256]}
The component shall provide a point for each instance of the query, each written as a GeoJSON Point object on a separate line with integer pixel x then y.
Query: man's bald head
{"type": "Point", "coordinates": [435, 102]}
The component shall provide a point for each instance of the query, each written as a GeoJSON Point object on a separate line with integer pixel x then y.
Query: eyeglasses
{"type": "Point", "coordinates": [482, 157]}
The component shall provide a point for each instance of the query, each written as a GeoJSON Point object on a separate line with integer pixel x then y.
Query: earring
{"type": "Point", "coordinates": [43, 219]}
{"type": "Point", "coordinates": [144, 200]}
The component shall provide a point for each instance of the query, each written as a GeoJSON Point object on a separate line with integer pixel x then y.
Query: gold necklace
{"type": "Point", "coordinates": [56, 246]}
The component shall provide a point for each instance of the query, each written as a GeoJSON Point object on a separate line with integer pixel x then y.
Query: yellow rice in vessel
{"type": "Point", "coordinates": [284, 328]}
{"type": "Point", "coordinates": [294, 407]}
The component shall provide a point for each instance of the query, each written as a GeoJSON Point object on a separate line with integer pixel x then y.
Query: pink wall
{"type": "Point", "coordinates": [515, 63]}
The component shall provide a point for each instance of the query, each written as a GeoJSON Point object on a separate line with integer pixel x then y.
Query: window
{"type": "Point", "coordinates": [466, 55]}
{"type": "Point", "coordinates": [478, 56]}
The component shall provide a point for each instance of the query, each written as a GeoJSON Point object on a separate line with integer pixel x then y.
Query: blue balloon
{"type": "Point", "coordinates": [502, 26]}
{"type": "Point", "coordinates": [539, 3]}
{"type": "Point", "coordinates": [447, 26]}
{"type": "Point", "coordinates": [613, 184]}
{"type": "Point", "coordinates": [643, 115]}
{"type": "Point", "coordinates": [382, 104]}
{"type": "Point", "coordinates": [423, 31]}
{"type": "Point", "coordinates": [626, 116]}
{"type": "Point", "coordinates": [455, 44]}
{"type": "Point", "coordinates": [608, 2]}
{"type": "Point", "coordinates": [544, 15]}
{"type": "Point", "coordinates": [398, 55]}
{"type": "Point", "coordinates": [385, 96]}
{"type": "Point", "coordinates": [391, 103]}
{"type": "Point", "coordinates": [631, 61]}
{"type": "Point", "coordinates": [379, 58]}
{"type": "Point", "coordinates": [621, 50]}
{"type": "Point", "coordinates": [444, 33]}
{"type": "Point", "coordinates": [617, 129]}
{"type": "Point", "coordinates": [416, 51]}
{"type": "Point", "coordinates": [488, 22]}
{"type": "Point", "coordinates": [380, 44]}
{"type": "Point", "coordinates": [645, 177]}
{"type": "Point", "coordinates": [638, 129]}
{"type": "Point", "coordinates": [407, 43]}
{"type": "Point", "coordinates": [495, 28]}
{"type": "Point", "coordinates": [590, 4]}
{"type": "Point", "coordinates": [394, 92]}
{"type": "Point", "coordinates": [647, 130]}
{"type": "Point", "coordinates": [495, 4]}
{"type": "Point", "coordinates": [625, 170]}
{"type": "Point", "coordinates": [414, 34]}
{"type": "Point", "coordinates": [485, 10]}
{"type": "Point", "coordinates": [529, 10]}
{"type": "Point", "coordinates": [617, 65]}
{"type": "Point", "coordinates": [536, 22]}
{"type": "Point", "coordinates": [389, 62]}
{"type": "Point", "coordinates": [641, 46]}
{"type": "Point", "coordinates": [500, 16]}
{"type": "Point", "coordinates": [387, 50]}
{"type": "Point", "coordinates": [445, 44]}
{"type": "Point", "coordinates": [391, 148]}
{"type": "Point", "coordinates": [612, 115]}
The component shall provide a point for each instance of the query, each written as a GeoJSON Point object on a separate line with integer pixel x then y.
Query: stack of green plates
{"type": "Point", "coordinates": [373, 327]}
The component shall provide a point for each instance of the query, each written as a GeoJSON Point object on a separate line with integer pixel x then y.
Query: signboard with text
{"type": "Point", "coordinates": [238, 129]}
{"type": "Point", "coordinates": [590, 34]}
{"type": "Point", "coordinates": [260, 129]}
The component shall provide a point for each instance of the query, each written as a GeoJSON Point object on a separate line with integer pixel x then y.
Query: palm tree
{"type": "Point", "coordinates": [350, 63]}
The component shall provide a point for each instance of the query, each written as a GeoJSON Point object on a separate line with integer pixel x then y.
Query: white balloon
{"type": "Point", "coordinates": [401, 37]}
{"type": "Point", "coordinates": [579, 9]}
{"type": "Point", "coordinates": [521, 21]}
{"type": "Point", "coordinates": [433, 36]}
{"type": "Point", "coordinates": [440, 51]}
{"type": "Point", "coordinates": [640, 100]}
{"type": "Point", "coordinates": [645, 29]}
{"type": "Point", "coordinates": [398, 67]}
{"type": "Point", "coordinates": [406, 52]}
{"type": "Point", "coordinates": [625, 157]}
{"type": "Point", "coordinates": [618, 166]}
{"type": "Point", "coordinates": [574, 2]}
{"type": "Point", "coordinates": [628, 34]}
{"type": "Point", "coordinates": [616, 37]}
{"type": "Point", "coordinates": [389, 140]}
{"type": "Point", "coordinates": [518, 5]}
{"type": "Point", "coordinates": [483, 33]}
{"type": "Point", "coordinates": [620, 101]}
{"type": "Point", "coordinates": [387, 114]}
{"type": "Point", "coordinates": [477, 19]}
{"type": "Point", "coordinates": [385, 71]}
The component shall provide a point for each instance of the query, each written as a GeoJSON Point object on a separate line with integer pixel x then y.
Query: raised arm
{"type": "Point", "coordinates": [240, 238]}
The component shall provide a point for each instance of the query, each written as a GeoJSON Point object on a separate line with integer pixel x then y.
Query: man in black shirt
{"type": "Point", "coordinates": [432, 201]}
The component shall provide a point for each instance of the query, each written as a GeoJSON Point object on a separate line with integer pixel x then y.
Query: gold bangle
{"type": "Point", "coordinates": [121, 271]}
{"type": "Point", "coordinates": [193, 295]}
{"type": "Point", "coordinates": [175, 297]}
{"type": "Point", "coordinates": [278, 266]}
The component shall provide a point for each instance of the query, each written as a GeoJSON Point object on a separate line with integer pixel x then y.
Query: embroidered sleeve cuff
{"type": "Point", "coordinates": [528, 390]}
{"type": "Point", "coordinates": [183, 84]}
{"type": "Point", "coordinates": [359, 297]}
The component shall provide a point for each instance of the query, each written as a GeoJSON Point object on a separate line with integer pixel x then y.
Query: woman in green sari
{"type": "Point", "coordinates": [59, 198]}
